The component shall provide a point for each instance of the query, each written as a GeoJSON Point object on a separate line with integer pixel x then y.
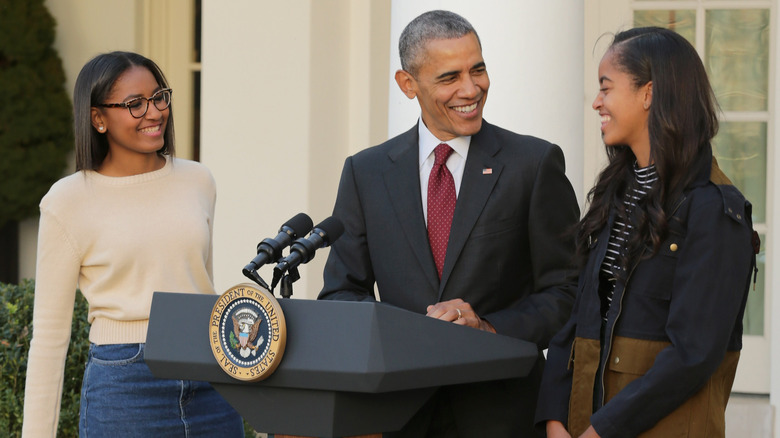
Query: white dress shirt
{"type": "Point", "coordinates": [456, 163]}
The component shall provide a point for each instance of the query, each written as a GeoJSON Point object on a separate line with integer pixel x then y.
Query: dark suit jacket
{"type": "Point", "coordinates": [510, 253]}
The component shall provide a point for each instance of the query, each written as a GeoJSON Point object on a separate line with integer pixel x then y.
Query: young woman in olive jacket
{"type": "Point", "coordinates": [652, 345]}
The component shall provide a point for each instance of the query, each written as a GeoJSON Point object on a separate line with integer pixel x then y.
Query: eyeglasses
{"type": "Point", "coordinates": [161, 99]}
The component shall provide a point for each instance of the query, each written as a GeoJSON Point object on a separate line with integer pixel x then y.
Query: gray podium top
{"type": "Point", "coordinates": [362, 367]}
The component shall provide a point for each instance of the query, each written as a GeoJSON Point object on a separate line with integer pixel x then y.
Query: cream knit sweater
{"type": "Point", "coordinates": [118, 239]}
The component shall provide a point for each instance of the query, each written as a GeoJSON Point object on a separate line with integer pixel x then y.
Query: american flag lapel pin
{"type": "Point", "coordinates": [487, 171]}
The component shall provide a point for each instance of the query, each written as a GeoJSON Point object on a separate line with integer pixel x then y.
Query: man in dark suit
{"type": "Point", "coordinates": [505, 262]}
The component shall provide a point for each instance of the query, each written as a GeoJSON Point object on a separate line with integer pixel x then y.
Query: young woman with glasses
{"type": "Point", "coordinates": [132, 220]}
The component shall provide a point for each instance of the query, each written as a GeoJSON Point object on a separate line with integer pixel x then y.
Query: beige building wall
{"type": "Point", "coordinates": [289, 90]}
{"type": "Point", "coordinates": [86, 28]}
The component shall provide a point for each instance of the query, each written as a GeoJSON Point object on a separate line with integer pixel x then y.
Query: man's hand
{"type": "Point", "coordinates": [459, 312]}
{"type": "Point", "coordinates": [555, 429]}
{"type": "Point", "coordinates": [590, 432]}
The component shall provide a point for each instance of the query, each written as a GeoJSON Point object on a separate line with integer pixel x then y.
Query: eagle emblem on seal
{"type": "Point", "coordinates": [247, 332]}
{"type": "Point", "coordinates": [246, 325]}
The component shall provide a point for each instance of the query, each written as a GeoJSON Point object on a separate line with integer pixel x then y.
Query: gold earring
{"type": "Point", "coordinates": [646, 106]}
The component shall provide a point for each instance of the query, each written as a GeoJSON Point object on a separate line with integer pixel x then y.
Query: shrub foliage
{"type": "Point", "coordinates": [36, 132]}
{"type": "Point", "coordinates": [16, 309]}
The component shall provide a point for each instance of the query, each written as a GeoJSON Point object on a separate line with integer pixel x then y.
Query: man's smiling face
{"type": "Point", "coordinates": [451, 85]}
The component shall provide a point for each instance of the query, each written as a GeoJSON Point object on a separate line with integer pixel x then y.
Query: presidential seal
{"type": "Point", "coordinates": [247, 332]}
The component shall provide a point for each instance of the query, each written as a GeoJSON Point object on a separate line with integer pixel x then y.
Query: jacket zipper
{"type": "Point", "coordinates": [612, 331]}
{"type": "Point", "coordinates": [620, 310]}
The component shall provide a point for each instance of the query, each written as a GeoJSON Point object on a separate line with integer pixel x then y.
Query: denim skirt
{"type": "Point", "coordinates": [121, 398]}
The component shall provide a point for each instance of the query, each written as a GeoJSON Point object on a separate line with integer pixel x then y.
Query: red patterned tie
{"type": "Point", "coordinates": [441, 205]}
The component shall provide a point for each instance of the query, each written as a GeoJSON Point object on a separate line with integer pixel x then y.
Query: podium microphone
{"type": "Point", "coordinates": [270, 250]}
{"type": "Point", "coordinates": [302, 250]}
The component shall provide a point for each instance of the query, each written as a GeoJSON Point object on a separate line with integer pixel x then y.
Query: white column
{"type": "Point", "coordinates": [255, 124]}
{"type": "Point", "coordinates": [534, 55]}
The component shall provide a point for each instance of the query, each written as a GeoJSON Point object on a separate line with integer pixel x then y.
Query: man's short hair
{"type": "Point", "coordinates": [432, 25]}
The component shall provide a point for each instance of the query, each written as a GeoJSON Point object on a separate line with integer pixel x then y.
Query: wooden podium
{"type": "Point", "coordinates": [349, 368]}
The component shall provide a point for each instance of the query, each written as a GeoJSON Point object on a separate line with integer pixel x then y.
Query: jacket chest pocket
{"type": "Point", "coordinates": [653, 277]}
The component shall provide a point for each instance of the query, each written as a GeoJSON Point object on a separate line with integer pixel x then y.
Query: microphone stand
{"type": "Point", "coordinates": [254, 276]}
{"type": "Point", "coordinates": [286, 289]}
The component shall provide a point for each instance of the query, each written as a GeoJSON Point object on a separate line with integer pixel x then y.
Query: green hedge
{"type": "Point", "coordinates": [36, 118]}
{"type": "Point", "coordinates": [16, 309]}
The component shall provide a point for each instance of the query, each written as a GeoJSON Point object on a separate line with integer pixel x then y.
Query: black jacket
{"type": "Point", "coordinates": [688, 298]}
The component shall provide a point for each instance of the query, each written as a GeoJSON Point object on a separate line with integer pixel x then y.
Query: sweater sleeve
{"type": "Point", "coordinates": [55, 293]}
{"type": "Point", "coordinates": [211, 213]}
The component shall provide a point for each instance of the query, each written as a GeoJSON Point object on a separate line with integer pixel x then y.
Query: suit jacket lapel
{"type": "Point", "coordinates": [402, 182]}
{"type": "Point", "coordinates": [479, 177]}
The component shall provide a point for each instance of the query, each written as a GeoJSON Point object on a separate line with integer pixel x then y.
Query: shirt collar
{"type": "Point", "coordinates": [428, 143]}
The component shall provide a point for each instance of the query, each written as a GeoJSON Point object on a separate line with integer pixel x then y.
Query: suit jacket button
{"type": "Point", "coordinates": [673, 247]}
{"type": "Point", "coordinates": [617, 360]}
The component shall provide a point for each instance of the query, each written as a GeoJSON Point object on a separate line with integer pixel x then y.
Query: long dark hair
{"type": "Point", "coordinates": [93, 86]}
{"type": "Point", "coordinates": [681, 122]}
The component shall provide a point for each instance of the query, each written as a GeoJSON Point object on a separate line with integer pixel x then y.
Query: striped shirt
{"type": "Point", "coordinates": [618, 238]}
